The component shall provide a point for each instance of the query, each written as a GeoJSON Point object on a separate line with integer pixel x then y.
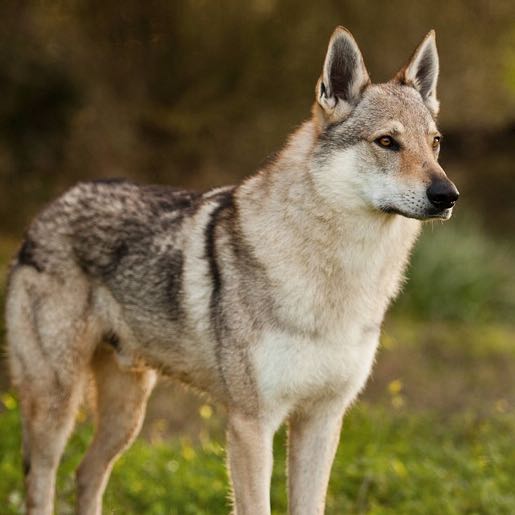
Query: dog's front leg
{"type": "Point", "coordinates": [250, 463]}
{"type": "Point", "coordinates": [312, 441]}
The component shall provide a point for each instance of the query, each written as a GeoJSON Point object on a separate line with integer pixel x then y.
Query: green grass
{"type": "Point", "coordinates": [389, 462]}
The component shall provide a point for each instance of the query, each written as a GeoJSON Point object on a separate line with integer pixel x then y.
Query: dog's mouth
{"type": "Point", "coordinates": [430, 213]}
{"type": "Point", "coordinates": [439, 214]}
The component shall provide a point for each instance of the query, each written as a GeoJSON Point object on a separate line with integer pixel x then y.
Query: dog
{"type": "Point", "coordinates": [269, 296]}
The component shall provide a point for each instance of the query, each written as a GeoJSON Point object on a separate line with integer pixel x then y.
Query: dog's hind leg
{"type": "Point", "coordinates": [47, 333]}
{"type": "Point", "coordinates": [48, 419]}
{"type": "Point", "coordinates": [121, 397]}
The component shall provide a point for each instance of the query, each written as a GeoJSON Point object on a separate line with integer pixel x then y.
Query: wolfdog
{"type": "Point", "coordinates": [268, 295]}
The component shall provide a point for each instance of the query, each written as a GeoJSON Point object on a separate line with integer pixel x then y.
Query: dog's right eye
{"type": "Point", "coordinates": [387, 142]}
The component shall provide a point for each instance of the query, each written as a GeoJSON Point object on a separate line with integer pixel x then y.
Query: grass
{"type": "Point", "coordinates": [389, 462]}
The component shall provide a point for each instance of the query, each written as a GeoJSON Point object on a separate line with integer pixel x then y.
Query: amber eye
{"type": "Point", "coordinates": [436, 142]}
{"type": "Point", "coordinates": [387, 142]}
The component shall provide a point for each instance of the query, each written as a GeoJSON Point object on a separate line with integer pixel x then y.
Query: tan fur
{"type": "Point", "coordinates": [118, 421]}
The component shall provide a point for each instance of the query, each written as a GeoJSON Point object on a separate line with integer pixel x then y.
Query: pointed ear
{"type": "Point", "coordinates": [422, 72]}
{"type": "Point", "coordinates": [343, 78]}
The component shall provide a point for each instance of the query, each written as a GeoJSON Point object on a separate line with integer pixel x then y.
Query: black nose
{"type": "Point", "coordinates": [442, 194]}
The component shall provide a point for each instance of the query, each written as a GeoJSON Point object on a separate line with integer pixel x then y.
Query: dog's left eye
{"type": "Point", "coordinates": [436, 142]}
{"type": "Point", "coordinates": [387, 142]}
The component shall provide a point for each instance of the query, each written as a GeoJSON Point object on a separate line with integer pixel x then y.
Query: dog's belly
{"type": "Point", "coordinates": [141, 338]}
{"type": "Point", "coordinates": [190, 361]}
{"type": "Point", "coordinates": [294, 369]}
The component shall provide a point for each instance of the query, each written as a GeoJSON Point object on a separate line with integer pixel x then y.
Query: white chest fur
{"type": "Point", "coordinates": [291, 369]}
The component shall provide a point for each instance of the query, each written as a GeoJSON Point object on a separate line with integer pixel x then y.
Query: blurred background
{"type": "Point", "coordinates": [198, 93]}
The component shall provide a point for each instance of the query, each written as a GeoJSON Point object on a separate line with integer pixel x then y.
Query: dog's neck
{"type": "Point", "coordinates": [284, 196]}
{"type": "Point", "coordinates": [317, 253]}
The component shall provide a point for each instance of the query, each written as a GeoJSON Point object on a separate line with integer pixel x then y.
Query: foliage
{"type": "Point", "coordinates": [459, 273]}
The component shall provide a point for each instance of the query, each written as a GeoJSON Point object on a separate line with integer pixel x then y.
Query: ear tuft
{"type": "Point", "coordinates": [344, 75]}
{"type": "Point", "coordinates": [422, 72]}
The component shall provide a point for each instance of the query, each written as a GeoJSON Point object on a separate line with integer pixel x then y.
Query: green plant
{"type": "Point", "coordinates": [458, 273]}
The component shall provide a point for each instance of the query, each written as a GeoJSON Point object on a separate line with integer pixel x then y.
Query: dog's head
{"type": "Point", "coordinates": [378, 144]}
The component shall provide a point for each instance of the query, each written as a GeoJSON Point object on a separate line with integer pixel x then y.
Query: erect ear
{"type": "Point", "coordinates": [343, 78]}
{"type": "Point", "coordinates": [422, 72]}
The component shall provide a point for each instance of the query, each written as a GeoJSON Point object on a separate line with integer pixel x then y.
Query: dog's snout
{"type": "Point", "coordinates": [442, 194]}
